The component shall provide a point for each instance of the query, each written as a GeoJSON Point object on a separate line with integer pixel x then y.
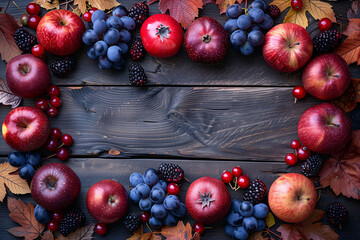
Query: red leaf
{"type": "Point", "coordinates": [224, 4]}
{"type": "Point", "coordinates": [8, 47]}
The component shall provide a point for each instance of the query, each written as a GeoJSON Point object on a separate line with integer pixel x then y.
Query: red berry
{"type": "Point", "coordinates": [55, 102]}
{"type": "Point", "coordinates": [243, 181]}
{"type": "Point", "coordinates": [86, 17]}
{"type": "Point", "coordinates": [57, 216]}
{"type": "Point", "coordinates": [144, 216]}
{"type": "Point", "coordinates": [23, 19]}
{"type": "Point", "coordinates": [92, 10]}
{"type": "Point", "coordinates": [67, 140]}
{"type": "Point", "coordinates": [173, 189]}
{"type": "Point", "coordinates": [33, 21]}
{"type": "Point", "coordinates": [100, 228]}
{"type": "Point", "coordinates": [226, 177]}
{"type": "Point", "coordinates": [296, 4]}
{"type": "Point", "coordinates": [42, 104]}
{"type": "Point", "coordinates": [325, 24]}
{"type": "Point", "coordinates": [236, 171]}
{"type": "Point", "coordinates": [52, 225]}
{"type": "Point", "coordinates": [52, 144]}
{"type": "Point", "coordinates": [55, 132]}
{"type": "Point", "coordinates": [295, 144]}
{"type": "Point", "coordinates": [63, 153]}
{"type": "Point", "coordinates": [291, 159]}
{"type": "Point", "coordinates": [303, 153]}
{"type": "Point", "coordinates": [33, 9]}
{"type": "Point", "coordinates": [38, 50]}
{"type": "Point", "coordinates": [53, 91]}
{"type": "Point", "coordinates": [299, 92]}
{"type": "Point", "coordinates": [199, 227]}
{"type": "Point", "coordinates": [52, 111]}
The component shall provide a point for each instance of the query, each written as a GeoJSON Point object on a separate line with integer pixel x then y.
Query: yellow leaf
{"type": "Point", "coordinates": [99, 4]}
{"type": "Point", "coordinates": [47, 4]}
{"type": "Point", "coordinates": [270, 220]}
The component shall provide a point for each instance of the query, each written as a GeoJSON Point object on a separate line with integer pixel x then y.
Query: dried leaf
{"type": "Point", "coordinates": [178, 232]}
{"type": "Point", "coordinates": [184, 11]}
{"type": "Point", "coordinates": [114, 152]}
{"type": "Point", "coordinates": [348, 100]}
{"type": "Point", "coordinates": [224, 4]}
{"type": "Point", "coordinates": [140, 235]}
{"type": "Point", "coordinates": [99, 4]}
{"type": "Point", "coordinates": [47, 235]}
{"type": "Point", "coordinates": [196, 236]}
{"type": "Point", "coordinates": [311, 228]}
{"type": "Point", "coordinates": [341, 172]}
{"type": "Point", "coordinates": [24, 215]}
{"type": "Point", "coordinates": [48, 4]}
{"type": "Point", "coordinates": [8, 47]}
{"type": "Point", "coordinates": [257, 236]}
{"type": "Point", "coordinates": [77, 11]}
{"type": "Point", "coordinates": [270, 220]}
{"type": "Point", "coordinates": [316, 8]}
{"type": "Point", "coordinates": [7, 97]}
{"type": "Point", "coordinates": [84, 233]}
{"type": "Point", "coordinates": [354, 11]}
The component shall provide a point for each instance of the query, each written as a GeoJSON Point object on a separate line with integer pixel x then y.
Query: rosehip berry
{"type": "Point", "coordinates": [92, 10]}
{"type": "Point", "coordinates": [291, 159]}
{"type": "Point", "coordinates": [52, 225]}
{"type": "Point", "coordinates": [303, 153]}
{"type": "Point", "coordinates": [243, 181]}
{"type": "Point", "coordinates": [33, 9]}
{"type": "Point", "coordinates": [296, 4]}
{"type": "Point", "coordinates": [173, 189]}
{"type": "Point", "coordinates": [325, 24]}
{"type": "Point", "coordinates": [55, 132]}
{"type": "Point", "coordinates": [42, 104]}
{"type": "Point", "coordinates": [33, 21]}
{"type": "Point", "coordinates": [226, 177]}
{"type": "Point", "coordinates": [52, 111]}
{"type": "Point", "coordinates": [199, 227]}
{"type": "Point", "coordinates": [52, 144]}
{"type": "Point", "coordinates": [144, 216]}
{"type": "Point", "coordinates": [23, 19]}
{"type": "Point", "coordinates": [53, 91]}
{"type": "Point", "coordinates": [57, 216]}
{"type": "Point", "coordinates": [38, 50]}
{"type": "Point", "coordinates": [55, 102]}
{"type": "Point", "coordinates": [67, 140]}
{"type": "Point", "coordinates": [100, 228]}
{"type": "Point", "coordinates": [63, 153]}
{"type": "Point", "coordinates": [299, 92]}
{"type": "Point", "coordinates": [295, 144]}
{"type": "Point", "coordinates": [86, 17]}
{"type": "Point", "coordinates": [236, 171]}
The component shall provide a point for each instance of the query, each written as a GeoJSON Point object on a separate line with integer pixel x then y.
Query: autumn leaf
{"type": "Point", "coordinates": [224, 4]}
{"type": "Point", "coordinates": [24, 215]}
{"type": "Point", "coordinates": [316, 8]}
{"type": "Point", "coordinates": [47, 235]}
{"type": "Point", "coordinates": [99, 4]}
{"type": "Point", "coordinates": [140, 235]}
{"type": "Point", "coordinates": [7, 97]}
{"type": "Point", "coordinates": [341, 172]}
{"type": "Point", "coordinates": [354, 11]}
{"type": "Point", "coordinates": [311, 228]}
{"type": "Point", "coordinates": [178, 232]}
{"type": "Point", "coordinates": [348, 100]}
{"type": "Point", "coordinates": [48, 4]}
{"type": "Point", "coordinates": [257, 236]}
{"type": "Point", "coordinates": [8, 47]}
{"type": "Point", "coordinates": [84, 233]}
{"type": "Point", "coordinates": [270, 220]}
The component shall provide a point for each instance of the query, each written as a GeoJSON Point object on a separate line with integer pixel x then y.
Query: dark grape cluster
{"type": "Point", "coordinates": [26, 162]}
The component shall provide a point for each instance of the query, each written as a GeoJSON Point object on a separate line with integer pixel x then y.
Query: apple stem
{"type": "Point", "coordinates": [22, 68]}
{"type": "Point", "coordinates": [332, 124]}
{"type": "Point", "coordinates": [300, 198]}
{"type": "Point", "coordinates": [291, 45]}
{"type": "Point", "coordinates": [51, 182]}
{"type": "Point", "coordinates": [19, 8]}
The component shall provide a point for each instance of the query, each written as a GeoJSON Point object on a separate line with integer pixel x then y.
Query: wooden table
{"type": "Point", "coordinates": [205, 118]}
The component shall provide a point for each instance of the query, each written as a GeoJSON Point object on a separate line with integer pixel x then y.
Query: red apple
{"type": "Point", "coordinates": [27, 76]}
{"type": "Point", "coordinates": [26, 129]}
{"type": "Point", "coordinates": [326, 76]}
{"type": "Point", "coordinates": [287, 47]}
{"type": "Point", "coordinates": [292, 197]}
{"type": "Point", "coordinates": [55, 186]}
{"type": "Point", "coordinates": [107, 201]}
{"type": "Point", "coordinates": [324, 128]}
{"type": "Point", "coordinates": [60, 32]}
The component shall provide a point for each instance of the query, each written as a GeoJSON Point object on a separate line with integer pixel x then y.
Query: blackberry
{"type": "Point", "coordinates": [132, 222]}
{"type": "Point", "coordinates": [171, 172]}
{"type": "Point", "coordinates": [256, 191]}
{"type": "Point", "coordinates": [326, 41]}
{"type": "Point", "coordinates": [336, 213]}
{"type": "Point", "coordinates": [72, 220]}
{"type": "Point", "coordinates": [137, 75]}
{"type": "Point", "coordinates": [24, 40]}
{"type": "Point", "coordinates": [312, 165]}
{"type": "Point", "coordinates": [139, 12]}
{"type": "Point", "coordinates": [274, 11]}
{"type": "Point", "coordinates": [137, 50]}
{"type": "Point", "coordinates": [62, 66]}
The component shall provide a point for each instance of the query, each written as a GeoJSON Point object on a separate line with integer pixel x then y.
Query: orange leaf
{"type": "Point", "coordinates": [24, 215]}
{"type": "Point", "coordinates": [224, 4]}
{"type": "Point", "coordinates": [84, 233]}
{"type": "Point", "coordinates": [48, 4]}
{"type": "Point", "coordinates": [353, 28]}
{"type": "Point", "coordinates": [178, 232]}
{"type": "Point", "coordinates": [348, 100]}
{"type": "Point", "coordinates": [354, 11]}
{"type": "Point", "coordinates": [47, 235]}
{"type": "Point", "coordinates": [184, 11]}
{"type": "Point", "coordinates": [8, 47]}
{"type": "Point", "coordinates": [99, 4]}
{"type": "Point", "coordinates": [140, 235]}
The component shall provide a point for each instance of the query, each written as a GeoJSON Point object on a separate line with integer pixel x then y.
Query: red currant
{"type": "Point", "coordinates": [243, 181]}
{"type": "Point", "coordinates": [53, 91]}
{"type": "Point", "coordinates": [23, 19]}
{"type": "Point", "coordinates": [38, 50]}
{"type": "Point", "coordinates": [173, 189]}
{"type": "Point", "coordinates": [199, 227]}
{"type": "Point", "coordinates": [144, 216]}
{"type": "Point", "coordinates": [92, 10]}
{"type": "Point", "coordinates": [42, 104]}
{"type": "Point", "coordinates": [291, 159]}
{"type": "Point", "coordinates": [33, 9]}
{"type": "Point", "coordinates": [303, 153]}
{"type": "Point", "coordinates": [299, 92]}
{"type": "Point", "coordinates": [100, 228]}
{"type": "Point", "coordinates": [226, 177]}
{"type": "Point", "coordinates": [55, 132]}
{"type": "Point", "coordinates": [296, 4]}
{"type": "Point", "coordinates": [236, 171]}
{"type": "Point", "coordinates": [86, 17]}
{"type": "Point", "coordinates": [63, 153]}
{"type": "Point", "coordinates": [55, 102]}
{"type": "Point", "coordinates": [295, 144]}
{"type": "Point", "coordinates": [325, 24]}
{"type": "Point", "coordinates": [57, 216]}
{"type": "Point", "coordinates": [33, 21]}
{"type": "Point", "coordinates": [67, 140]}
{"type": "Point", "coordinates": [52, 111]}
{"type": "Point", "coordinates": [52, 144]}
{"type": "Point", "coordinates": [52, 225]}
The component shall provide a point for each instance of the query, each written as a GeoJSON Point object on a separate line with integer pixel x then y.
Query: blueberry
{"type": "Point", "coordinates": [16, 159]}
{"type": "Point", "coordinates": [33, 158]}
{"type": "Point", "coordinates": [26, 171]}
{"type": "Point", "coordinates": [246, 209]}
{"type": "Point", "coordinates": [180, 212]}
{"type": "Point", "coordinates": [151, 177]}
{"type": "Point", "coordinates": [157, 195]}
{"type": "Point", "coordinates": [42, 215]}
{"type": "Point", "coordinates": [260, 225]}
{"type": "Point", "coordinates": [158, 211]}
{"type": "Point", "coordinates": [234, 219]}
{"type": "Point", "coordinates": [240, 234]}
{"type": "Point", "coordinates": [170, 220]}
{"type": "Point", "coordinates": [155, 223]}
{"type": "Point", "coordinates": [235, 205]}
{"type": "Point", "coordinates": [171, 202]}
{"type": "Point", "coordinates": [261, 210]}
{"type": "Point", "coordinates": [143, 190]}
{"type": "Point", "coordinates": [136, 178]}
{"type": "Point", "coordinates": [250, 224]}
{"type": "Point", "coordinates": [244, 22]}
{"type": "Point", "coordinates": [161, 184]}
{"type": "Point", "coordinates": [145, 204]}
{"type": "Point", "coordinates": [229, 230]}
{"type": "Point", "coordinates": [134, 195]}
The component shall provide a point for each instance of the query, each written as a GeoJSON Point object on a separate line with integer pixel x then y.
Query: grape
{"type": "Point", "coordinates": [261, 225]}
{"type": "Point", "coordinates": [229, 229]}
{"type": "Point", "coordinates": [250, 224]}
{"type": "Point", "coordinates": [100, 48]}
{"type": "Point", "coordinates": [125, 35]}
{"type": "Point", "coordinates": [119, 65]}
{"type": "Point", "coordinates": [238, 38]}
{"type": "Point", "coordinates": [244, 22]}
{"type": "Point", "coordinates": [124, 47]}
{"type": "Point", "coordinates": [114, 53]}
{"type": "Point", "coordinates": [120, 11]}
{"type": "Point", "coordinates": [170, 220]}
{"type": "Point", "coordinates": [129, 23]}
{"type": "Point", "coordinates": [256, 15]}
{"type": "Point", "coordinates": [112, 36]}
{"type": "Point", "coordinates": [261, 210]}
{"type": "Point", "coordinates": [267, 23]}
{"type": "Point", "coordinates": [258, 4]}
{"type": "Point", "coordinates": [240, 234]}
{"type": "Point", "coordinates": [136, 178]}
{"type": "Point", "coordinates": [100, 26]}
{"type": "Point", "coordinates": [255, 26]}
{"type": "Point", "coordinates": [98, 14]}
{"type": "Point", "coordinates": [91, 53]}
{"type": "Point", "coordinates": [104, 63]}
{"type": "Point", "coordinates": [90, 37]}
{"type": "Point", "coordinates": [234, 219]}
{"type": "Point", "coordinates": [246, 48]}
{"type": "Point", "coordinates": [142, 188]}
{"type": "Point", "coordinates": [114, 22]}
{"type": "Point", "coordinates": [234, 11]}
{"type": "Point", "coordinates": [145, 204]}
{"type": "Point", "coordinates": [231, 25]}
{"type": "Point", "coordinates": [256, 38]}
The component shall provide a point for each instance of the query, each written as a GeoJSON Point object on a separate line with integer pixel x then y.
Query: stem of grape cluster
{"type": "Point", "coordinates": [17, 7]}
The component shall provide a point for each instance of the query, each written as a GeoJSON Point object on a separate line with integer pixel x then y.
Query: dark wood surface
{"type": "Point", "coordinates": [205, 118]}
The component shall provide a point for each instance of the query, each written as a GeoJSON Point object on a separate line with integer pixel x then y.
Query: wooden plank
{"type": "Point", "coordinates": [255, 123]}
